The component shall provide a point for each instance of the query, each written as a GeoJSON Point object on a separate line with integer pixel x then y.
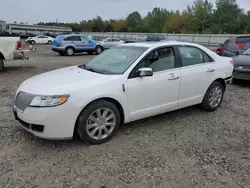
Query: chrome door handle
{"type": "Point", "coordinates": [173, 78]}
{"type": "Point", "coordinates": [210, 70]}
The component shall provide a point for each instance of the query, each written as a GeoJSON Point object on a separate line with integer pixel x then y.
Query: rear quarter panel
{"type": "Point", "coordinates": [224, 69]}
{"type": "Point", "coordinates": [8, 47]}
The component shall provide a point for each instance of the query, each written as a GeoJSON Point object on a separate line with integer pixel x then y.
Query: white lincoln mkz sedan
{"type": "Point", "coordinates": [124, 84]}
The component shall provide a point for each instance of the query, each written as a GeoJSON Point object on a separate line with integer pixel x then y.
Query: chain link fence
{"type": "Point", "coordinates": [208, 40]}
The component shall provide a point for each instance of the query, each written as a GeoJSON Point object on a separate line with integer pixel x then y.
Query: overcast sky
{"type": "Point", "coordinates": [33, 11]}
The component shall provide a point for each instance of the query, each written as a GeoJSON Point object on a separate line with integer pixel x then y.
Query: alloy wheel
{"type": "Point", "coordinates": [101, 123]}
{"type": "Point", "coordinates": [215, 96]}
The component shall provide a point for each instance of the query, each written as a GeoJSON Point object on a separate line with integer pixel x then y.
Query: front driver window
{"type": "Point", "coordinates": [159, 60]}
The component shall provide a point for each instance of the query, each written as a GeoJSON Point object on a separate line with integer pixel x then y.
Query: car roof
{"type": "Point", "coordinates": [158, 44]}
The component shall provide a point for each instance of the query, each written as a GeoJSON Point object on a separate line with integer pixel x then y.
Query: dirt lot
{"type": "Point", "coordinates": [186, 148]}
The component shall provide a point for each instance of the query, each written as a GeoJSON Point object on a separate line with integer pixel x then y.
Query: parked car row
{"type": "Point", "coordinates": [78, 43]}
{"type": "Point", "coordinates": [243, 43]}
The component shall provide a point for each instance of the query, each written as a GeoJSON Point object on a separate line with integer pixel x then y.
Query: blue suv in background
{"type": "Point", "coordinates": [75, 43]}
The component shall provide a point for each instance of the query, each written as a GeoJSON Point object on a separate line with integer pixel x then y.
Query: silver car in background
{"type": "Point", "coordinates": [111, 42]}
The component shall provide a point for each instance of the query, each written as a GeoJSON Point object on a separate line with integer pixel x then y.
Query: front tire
{"type": "Point", "coordinates": [98, 122]}
{"type": "Point", "coordinates": [32, 42]}
{"type": "Point", "coordinates": [49, 42]}
{"type": "Point", "coordinates": [213, 96]}
{"type": "Point", "coordinates": [1, 65]}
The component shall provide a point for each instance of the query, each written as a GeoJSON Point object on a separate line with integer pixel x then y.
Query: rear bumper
{"type": "Point", "coordinates": [228, 80]}
{"type": "Point", "coordinates": [242, 74]}
{"type": "Point", "coordinates": [19, 55]}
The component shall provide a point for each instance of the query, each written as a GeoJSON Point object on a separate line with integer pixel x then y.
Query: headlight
{"type": "Point", "coordinates": [48, 101]}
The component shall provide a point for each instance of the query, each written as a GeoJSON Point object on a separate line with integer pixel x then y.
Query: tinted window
{"type": "Point", "coordinates": [192, 56]}
{"type": "Point", "coordinates": [84, 39]}
{"type": "Point", "coordinates": [73, 38]}
{"type": "Point", "coordinates": [159, 60]}
{"type": "Point", "coordinates": [152, 38]}
{"type": "Point", "coordinates": [231, 47]}
{"type": "Point", "coordinates": [242, 39]}
{"type": "Point", "coordinates": [162, 37]}
{"type": "Point", "coordinates": [115, 40]}
{"type": "Point", "coordinates": [109, 40]}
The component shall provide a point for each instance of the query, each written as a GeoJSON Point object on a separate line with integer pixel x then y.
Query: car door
{"type": "Point", "coordinates": [116, 42]}
{"type": "Point", "coordinates": [86, 45]}
{"type": "Point", "coordinates": [45, 39]}
{"type": "Point", "coordinates": [39, 39]}
{"type": "Point", "coordinates": [148, 96]}
{"type": "Point", "coordinates": [197, 73]}
{"type": "Point", "coordinates": [77, 43]}
{"type": "Point", "coordinates": [108, 43]}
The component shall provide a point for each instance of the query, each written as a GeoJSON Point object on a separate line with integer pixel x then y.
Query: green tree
{"type": "Point", "coordinates": [133, 21]}
{"type": "Point", "coordinates": [227, 15]}
{"type": "Point", "coordinates": [175, 22]}
{"type": "Point", "coordinates": [201, 11]}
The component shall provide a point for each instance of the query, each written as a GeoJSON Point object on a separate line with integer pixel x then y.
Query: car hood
{"type": "Point", "coordinates": [242, 60]}
{"type": "Point", "coordinates": [61, 81]}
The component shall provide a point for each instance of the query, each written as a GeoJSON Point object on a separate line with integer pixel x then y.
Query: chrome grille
{"type": "Point", "coordinates": [23, 100]}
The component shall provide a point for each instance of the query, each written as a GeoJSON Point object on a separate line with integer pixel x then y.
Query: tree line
{"type": "Point", "coordinates": [225, 17]}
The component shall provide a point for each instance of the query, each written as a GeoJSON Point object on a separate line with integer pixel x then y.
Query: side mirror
{"type": "Point", "coordinates": [145, 71]}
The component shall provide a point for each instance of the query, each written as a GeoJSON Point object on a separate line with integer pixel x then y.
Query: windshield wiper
{"type": "Point", "coordinates": [82, 66]}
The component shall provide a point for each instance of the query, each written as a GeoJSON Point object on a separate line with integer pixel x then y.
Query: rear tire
{"type": "Point", "coordinates": [70, 51]}
{"type": "Point", "coordinates": [99, 49]}
{"type": "Point", "coordinates": [49, 42]}
{"type": "Point", "coordinates": [32, 42]}
{"type": "Point", "coordinates": [1, 65]}
{"type": "Point", "coordinates": [93, 128]}
{"type": "Point", "coordinates": [213, 96]}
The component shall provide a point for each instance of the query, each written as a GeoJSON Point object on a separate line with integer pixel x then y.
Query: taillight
{"type": "Point", "coordinates": [19, 45]}
{"type": "Point", "coordinates": [232, 62]}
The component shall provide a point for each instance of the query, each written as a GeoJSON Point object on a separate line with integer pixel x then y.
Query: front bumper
{"type": "Point", "coordinates": [58, 49]}
{"type": "Point", "coordinates": [53, 123]}
{"type": "Point", "coordinates": [242, 74]}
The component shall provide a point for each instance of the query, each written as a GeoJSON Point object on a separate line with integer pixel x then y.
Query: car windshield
{"type": "Point", "coordinates": [116, 60]}
{"type": "Point", "coordinates": [247, 52]}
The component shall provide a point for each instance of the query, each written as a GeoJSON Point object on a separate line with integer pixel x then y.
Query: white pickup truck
{"type": "Point", "coordinates": [10, 49]}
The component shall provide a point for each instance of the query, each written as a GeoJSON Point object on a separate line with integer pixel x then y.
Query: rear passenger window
{"type": "Point", "coordinates": [84, 39]}
{"type": "Point", "coordinates": [73, 38]}
{"type": "Point", "coordinates": [192, 56]}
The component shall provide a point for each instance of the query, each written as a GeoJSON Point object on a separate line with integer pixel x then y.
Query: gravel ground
{"type": "Point", "coordinates": [185, 148]}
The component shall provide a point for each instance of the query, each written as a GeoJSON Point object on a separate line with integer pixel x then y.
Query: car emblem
{"type": "Point", "coordinates": [240, 67]}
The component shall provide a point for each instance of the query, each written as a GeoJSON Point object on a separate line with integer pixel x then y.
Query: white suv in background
{"type": "Point", "coordinates": [123, 84]}
{"type": "Point", "coordinates": [40, 39]}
